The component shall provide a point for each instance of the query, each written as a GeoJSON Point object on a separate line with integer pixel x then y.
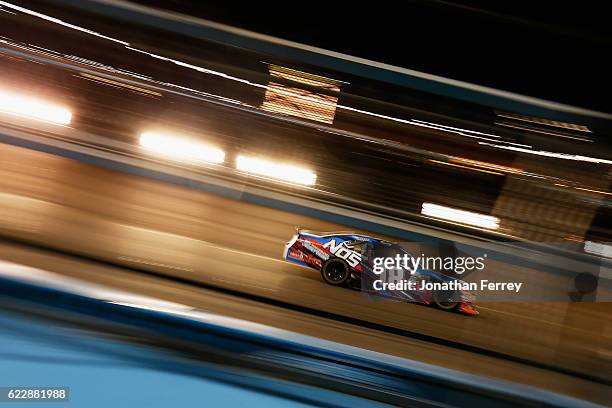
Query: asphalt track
{"type": "Point", "coordinates": [200, 249]}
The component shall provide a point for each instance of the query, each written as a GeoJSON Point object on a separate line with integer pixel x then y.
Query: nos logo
{"type": "Point", "coordinates": [351, 257]}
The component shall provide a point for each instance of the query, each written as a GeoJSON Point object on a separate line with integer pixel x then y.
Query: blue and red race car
{"type": "Point", "coordinates": [346, 259]}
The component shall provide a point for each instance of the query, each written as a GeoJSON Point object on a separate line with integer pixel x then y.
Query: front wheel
{"type": "Point", "coordinates": [335, 272]}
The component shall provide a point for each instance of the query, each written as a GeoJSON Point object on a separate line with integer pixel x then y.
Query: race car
{"type": "Point", "coordinates": [347, 259]}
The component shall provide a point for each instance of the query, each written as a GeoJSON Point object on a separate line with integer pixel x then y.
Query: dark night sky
{"type": "Point", "coordinates": [546, 49]}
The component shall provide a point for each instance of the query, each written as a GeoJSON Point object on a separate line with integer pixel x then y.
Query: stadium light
{"type": "Point", "coordinates": [280, 171]}
{"type": "Point", "coordinates": [598, 248]}
{"type": "Point", "coordinates": [33, 108]}
{"type": "Point", "coordinates": [180, 148]}
{"type": "Point", "coordinates": [461, 216]}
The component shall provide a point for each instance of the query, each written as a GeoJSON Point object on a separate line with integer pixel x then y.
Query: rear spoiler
{"type": "Point", "coordinates": [298, 230]}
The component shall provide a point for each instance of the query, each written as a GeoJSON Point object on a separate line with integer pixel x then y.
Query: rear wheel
{"type": "Point", "coordinates": [446, 299]}
{"type": "Point", "coordinates": [335, 272]}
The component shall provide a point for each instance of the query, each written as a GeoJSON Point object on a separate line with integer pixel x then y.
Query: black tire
{"type": "Point", "coordinates": [446, 299]}
{"type": "Point", "coordinates": [335, 272]}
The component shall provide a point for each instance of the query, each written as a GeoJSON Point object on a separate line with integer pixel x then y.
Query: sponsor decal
{"type": "Point", "coordinates": [296, 254]}
{"type": "Point", "coordinates": [313, 260]}
{"type": "Point", "coordinates": [315, 249]}
{"type": "Point", "coordinates": [341, 251]}
{"type": "Point", "coordinates": [360, 238]}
